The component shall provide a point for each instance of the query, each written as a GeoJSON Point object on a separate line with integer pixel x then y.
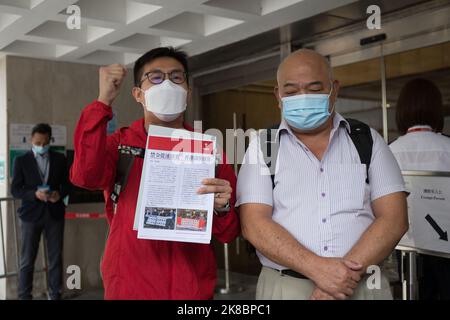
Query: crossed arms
{"type": "Point", "coordinates": [335, 278]}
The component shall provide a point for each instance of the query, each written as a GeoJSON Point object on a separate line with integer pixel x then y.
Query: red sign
{"type": "Point", "coordinates": [180, 145]}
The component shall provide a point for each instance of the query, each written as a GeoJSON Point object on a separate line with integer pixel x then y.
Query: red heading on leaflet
{"type": "Point", "coordinates": [180, 145]}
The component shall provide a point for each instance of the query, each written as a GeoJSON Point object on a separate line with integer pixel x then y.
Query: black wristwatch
{"type": "Point", "coordinates": [223, 211]}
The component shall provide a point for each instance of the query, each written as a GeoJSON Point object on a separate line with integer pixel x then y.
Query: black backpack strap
{"type": "Point", "coordinates": [127, 155]}
{"type": "Point", "coordinates": [267, 143]}
{"type": "Point", "coordinates": [363, 141]}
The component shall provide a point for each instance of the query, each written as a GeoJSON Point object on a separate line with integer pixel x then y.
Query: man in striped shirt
{"type": "Point", "coordinates": [326, 220]}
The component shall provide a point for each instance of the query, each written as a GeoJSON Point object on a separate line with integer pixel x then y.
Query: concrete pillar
{"type": "Point", "coordinates": [3, 157]}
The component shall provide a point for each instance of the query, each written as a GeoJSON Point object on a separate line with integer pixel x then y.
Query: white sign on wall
{"type": "Point", "coordinates": [428, 211]}
{"type": "Point", "coordinates": [20, 135]}
{"type": "Point", "coordinates": [2, 169]}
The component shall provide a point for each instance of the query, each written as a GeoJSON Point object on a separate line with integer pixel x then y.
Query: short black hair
{"type": "Point", "coordinates": [42, 128]}
{"type": "Point", "coordinates": [156, 53]}
{"type": "Point", "coordinates": [420, 103]}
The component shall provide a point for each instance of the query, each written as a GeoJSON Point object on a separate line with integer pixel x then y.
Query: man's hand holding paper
{"type": "Point", "coordinates": [221, 189]}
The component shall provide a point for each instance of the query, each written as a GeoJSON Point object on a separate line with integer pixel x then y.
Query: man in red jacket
{"type": "Point", "coordinates": [134, 268]}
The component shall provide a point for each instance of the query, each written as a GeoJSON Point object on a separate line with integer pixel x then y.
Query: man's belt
{"type": "Point", "coordinates": [292, 273]}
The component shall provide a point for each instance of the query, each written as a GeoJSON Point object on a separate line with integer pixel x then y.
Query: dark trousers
{"type": "Point", "coordinates": [31, 235]}
{"type": "Point", "coordinates": [433, 275]}
{"type": "Point", "coordinates": [434, 278]}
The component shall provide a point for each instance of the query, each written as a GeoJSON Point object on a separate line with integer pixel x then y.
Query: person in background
{"type": "Point", "coordinates": [421, 146]}
{"type": "Point", "coordinates": [134, 268]}
{"type": "Point", "coordinates": [41, 181]}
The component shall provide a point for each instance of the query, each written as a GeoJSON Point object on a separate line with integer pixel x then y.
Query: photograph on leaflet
{"type": "Point", "coordinates": [159, 218]}
{"type": "Point", "coordinates": [192, 220]}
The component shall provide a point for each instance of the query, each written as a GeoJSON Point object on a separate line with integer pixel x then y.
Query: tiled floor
{"type": "Point", "coordinates": [243, 288]}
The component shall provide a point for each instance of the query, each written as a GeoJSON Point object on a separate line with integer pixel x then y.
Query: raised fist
{"type": "Point", "coordinates": [110, 80]}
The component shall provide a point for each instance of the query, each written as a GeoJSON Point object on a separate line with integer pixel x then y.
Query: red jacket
{"type": "Point", "coordinates": [134, 268]}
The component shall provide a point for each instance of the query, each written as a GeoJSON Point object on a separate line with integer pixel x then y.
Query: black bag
{"type": "Point", "coordinates": [127, 155]}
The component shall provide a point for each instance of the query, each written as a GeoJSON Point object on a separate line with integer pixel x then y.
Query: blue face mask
{"type": "Point", "coordinates": [306, 111]}
{"type": "Point", "coordinates": [41, 150]}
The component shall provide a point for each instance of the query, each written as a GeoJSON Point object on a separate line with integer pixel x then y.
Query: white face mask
{"type": "Point", "coordinates": [166, 100]}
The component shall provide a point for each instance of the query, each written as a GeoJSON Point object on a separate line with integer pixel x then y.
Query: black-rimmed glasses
{"type": "Point", "coordinates": [158, 77]}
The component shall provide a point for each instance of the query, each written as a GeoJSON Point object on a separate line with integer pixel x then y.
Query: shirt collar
{"type": "Point", "coordinates": [284, 127]}
{"type": "Point", "coordinates": [340, 121]}
{"type": "Point", "coordinates": [45, 155]}
{"type": "Point", "coordinates": [418, 127]}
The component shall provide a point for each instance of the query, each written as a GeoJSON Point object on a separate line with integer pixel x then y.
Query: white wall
{"type": "Point", "coordinates": [3, 153]}
{"type": "Point", "coordinates": [3, 118]}
{"type": "Point", "coordinates": [56, 92]}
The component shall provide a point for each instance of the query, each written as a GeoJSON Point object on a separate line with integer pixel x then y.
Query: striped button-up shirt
{"type": "Point", "coordinates": [325, 205]}
{"type": "Point", "coordinates": [43, 164]}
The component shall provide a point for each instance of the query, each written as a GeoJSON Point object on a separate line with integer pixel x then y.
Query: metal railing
{"type": "Point", "coordinates": [4, 239]}
{"type": "Point", "coordinates": [15, 234]}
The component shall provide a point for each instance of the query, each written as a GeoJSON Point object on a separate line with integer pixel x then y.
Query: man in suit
{"type": "Point", "coordinates": [40, 180]}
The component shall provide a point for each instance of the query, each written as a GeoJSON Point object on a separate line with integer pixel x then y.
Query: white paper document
{"type": "Point", "coordinates": [169, 208]}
